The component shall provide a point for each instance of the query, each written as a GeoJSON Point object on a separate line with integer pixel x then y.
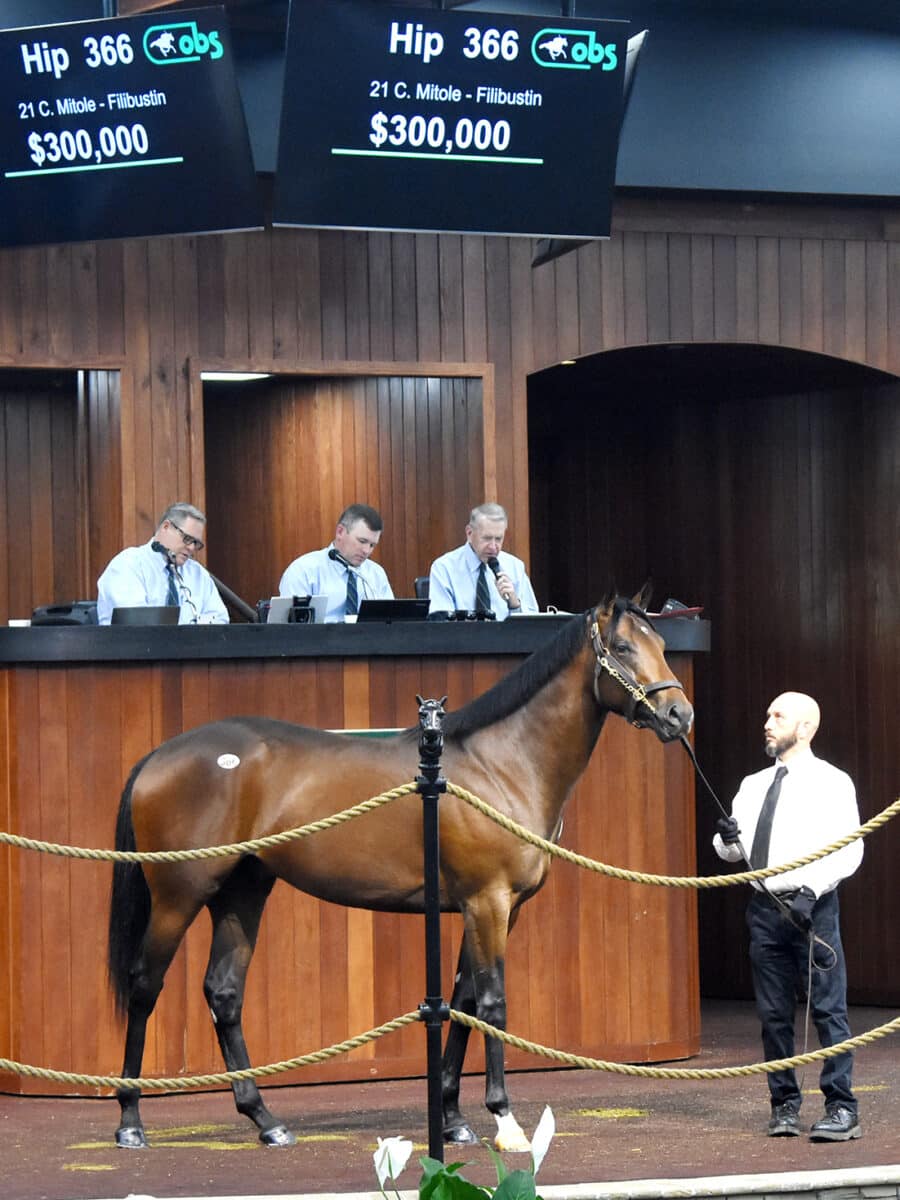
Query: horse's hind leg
{"type": "Point", "coordinates": [236, 911]}
{"type": "Point", "coordinates": [165, 930]}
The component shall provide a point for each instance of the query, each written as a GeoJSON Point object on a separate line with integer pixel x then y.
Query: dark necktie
{"type": "Point", "coordinates": [759, 852]}
{"type": "Point", "coordinates": [172, 596]}
{"type": "Point", "coordinates": [352, 604]}
{"type": "Point", "coordinates": [482, 592]}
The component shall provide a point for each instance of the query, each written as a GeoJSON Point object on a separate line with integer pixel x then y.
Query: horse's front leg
{"type": "Point", "coordinates": [456, 1129]}
{"type": "Point", "coordinates": [487, 929]}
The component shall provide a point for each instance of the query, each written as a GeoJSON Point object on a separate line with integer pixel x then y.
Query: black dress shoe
{"type": "Point", "coordinates": [839, 1124]}
{"type": "Point", "coordinates": [785, 1121]}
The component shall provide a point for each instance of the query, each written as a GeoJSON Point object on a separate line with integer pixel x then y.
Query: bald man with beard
{"type": "Point", "coordinates": [811, 805]}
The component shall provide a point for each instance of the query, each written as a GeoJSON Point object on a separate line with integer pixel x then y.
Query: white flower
{"type": "Point", "coordinates": [391, 1157]}
{"type": "Point", "coordinates": [541, 1139]}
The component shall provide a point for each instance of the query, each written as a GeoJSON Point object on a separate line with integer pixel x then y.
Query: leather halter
{"type": "Point", "coordinates": [608, 663]}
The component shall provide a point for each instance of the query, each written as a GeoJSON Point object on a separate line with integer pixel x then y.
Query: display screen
{"type": "Point", "coordinates": [412, 119]}
{"type": "Point", "coordinates": [122, 128]}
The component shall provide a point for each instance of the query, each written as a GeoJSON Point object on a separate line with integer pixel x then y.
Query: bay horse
{"type": "Point", "coordinates": [520, 746]}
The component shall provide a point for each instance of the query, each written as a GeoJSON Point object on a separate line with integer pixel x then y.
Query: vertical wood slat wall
{"type": "Point", "coordinates": [284, 457]}
{"type": "Point", "coordinates": [775, 513]}
{"type": "Point", "coordinates": [154, 313]}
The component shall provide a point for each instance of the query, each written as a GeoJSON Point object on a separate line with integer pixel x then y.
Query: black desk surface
{"type": "Point", "coordinates": [62, 644]}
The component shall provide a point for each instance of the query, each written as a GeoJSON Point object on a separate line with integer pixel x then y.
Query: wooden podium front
{"type": "Point", "coordinates": [595, 966]}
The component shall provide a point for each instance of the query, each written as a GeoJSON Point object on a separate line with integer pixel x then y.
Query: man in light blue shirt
{"type": "Point", "coordinates": [163, 571]}
{"type": "Point", "coordinates": [454, 577]}
{"type": "Point", "coordinates": [343, 571]}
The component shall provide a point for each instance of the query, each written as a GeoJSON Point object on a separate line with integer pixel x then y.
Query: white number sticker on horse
{"type": "Point", "coordinates": [228, 761]}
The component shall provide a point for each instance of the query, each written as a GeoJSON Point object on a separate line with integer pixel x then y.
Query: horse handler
{"type": "Point", "coordinates": [787, 811]}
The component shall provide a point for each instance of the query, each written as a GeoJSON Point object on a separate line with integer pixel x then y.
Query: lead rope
{"type": "Point", "coordinates": [810, 934]}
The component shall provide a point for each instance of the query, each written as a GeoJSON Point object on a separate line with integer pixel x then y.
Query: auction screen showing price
{"type": "Point", "coordinates": [398, 118]}
{"type": "Point", "coordinates": [122, 128]}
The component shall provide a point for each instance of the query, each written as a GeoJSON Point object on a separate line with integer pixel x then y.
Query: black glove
{"type": "Point", "coordinates": [801, 907]}
{"type": "Point", "coordinates": [728, 830]}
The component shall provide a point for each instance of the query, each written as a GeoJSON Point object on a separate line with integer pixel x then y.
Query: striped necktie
{"type": "Point", "coordinates": [352, 604]}
{"type": "Point", "coordinates": [172, 597]}
{"type": "Point", "coordinates": [482, 591]}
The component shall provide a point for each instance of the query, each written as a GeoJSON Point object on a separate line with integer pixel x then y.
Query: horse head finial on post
{"type": "Point", "coordinates": [434, 1009]}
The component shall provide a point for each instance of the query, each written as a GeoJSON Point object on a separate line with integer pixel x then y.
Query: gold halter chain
{"type": "Point", "coordinates": [611, 665]}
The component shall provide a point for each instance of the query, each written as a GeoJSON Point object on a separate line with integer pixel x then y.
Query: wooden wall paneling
{"type": "Point", "coordinates": [428, 326]}
{"type": "Point", "coordinates": [334, 307]}
{"type": "Point", "coordinates": [33, 297]}
{"type": "Point", "coordinates": [702, 285]}
{"type": "Point", "coordinates": [892, 300]}
{"type": "Point", "coordinates": [876, 304]}
{"type": "Point", "coordinates": [357, 290]}
{"type": "Point", "coordinates": [450, 298]}
{"type": "Point", "coordinates": [10, 883]}
{"type": "Point", "coordinates": [566, 316]}
{"type": "Point", "coordinates": [403, 314]}
{"type": "Point", "coordinates": [790, 291]}
{"type": "Point", "coordinates": [769, 298]}
{"type": "Point", "coordinates": [590, 296]}
{"type": "Point", "coordinates": [680, 319]}
{"type": "Point", "coordinates": [657, 285]}
{"type": "Point", "coordinates": [13, 310]}
{"type": "Point", "coordinates": [746, 289]}
{"type": "Point", "coordinates": [812, 294]}
{"type": "Point", "coordinates": [724, 274]}
{"type": "Point", "coordinates": [522, 361]}
{"type": "Point", "coordinates": [634, 288]}
{"type": "Point", "coordinates": [855, 309]}
{"type": "Point", "coordinates": [475, 299]}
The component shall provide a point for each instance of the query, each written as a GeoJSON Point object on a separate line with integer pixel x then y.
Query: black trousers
{"type": "Point", "coordinates": [779, 955]}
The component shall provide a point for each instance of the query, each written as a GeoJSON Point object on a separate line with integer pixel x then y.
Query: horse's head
{"type": "Point", "coordinates": [631, 675]}
{"type": "Point", "coordinates": [431, 723]}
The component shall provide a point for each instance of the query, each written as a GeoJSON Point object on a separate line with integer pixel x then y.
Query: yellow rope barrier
{"type": "Point", "coordinates": [682, 881]}
{"type": "Point", "coordinates": [249, 847]}
{"type": "Point", "coordinates": [599, 1064]}
{"type": "Point", "coordinates": [183, 1082]}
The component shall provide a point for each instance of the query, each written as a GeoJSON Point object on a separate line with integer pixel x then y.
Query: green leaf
{"type": "Point", "coordinates": [518, 1185]}
{"type": "Point", "coordinates": [499, 1164]}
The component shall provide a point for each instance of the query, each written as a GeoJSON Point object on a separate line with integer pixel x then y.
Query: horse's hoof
{"type": "Point", "coordinates": [460, 1135]}
{"type": "Point", "coordinates": [510, 1136]}
{"type": "Point", "coordinates": [132, 1137]}
{"type": "Point", "coordinates": [278, 1135]}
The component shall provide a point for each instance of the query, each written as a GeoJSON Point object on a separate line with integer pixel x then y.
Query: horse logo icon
{"type": "Point", "coordinates": [556, 47]}
{"type": "Point", "coordinates": [165, 43]}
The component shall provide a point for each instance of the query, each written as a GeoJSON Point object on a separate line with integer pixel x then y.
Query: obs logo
{"type": "Point", "coordinates": [180, 42]}
{"type": "Point", "coordinates": [576, 49]}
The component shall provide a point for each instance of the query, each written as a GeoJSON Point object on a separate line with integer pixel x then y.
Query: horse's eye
{"type": "Point", "coordinates": [622, 647]}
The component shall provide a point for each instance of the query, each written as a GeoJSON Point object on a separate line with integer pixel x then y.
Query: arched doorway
{"type": "Point", "coordinates": [762, 483]}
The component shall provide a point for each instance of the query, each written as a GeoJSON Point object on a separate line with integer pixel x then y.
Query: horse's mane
{"type": "Point", "coordinates": [517, 688]}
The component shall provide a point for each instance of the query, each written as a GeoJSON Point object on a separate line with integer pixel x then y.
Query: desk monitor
{"type": "Point", "coordinates": [393, 610]}
{"type": "Point", "coordinates": [162, 614]}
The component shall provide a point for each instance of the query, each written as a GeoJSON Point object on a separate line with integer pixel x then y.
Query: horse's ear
{"type": "Point", "coordinates": [642, 599]}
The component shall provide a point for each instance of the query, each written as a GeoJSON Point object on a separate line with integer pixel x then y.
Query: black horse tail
{"type": "Point", "coordinates": [129, 905]}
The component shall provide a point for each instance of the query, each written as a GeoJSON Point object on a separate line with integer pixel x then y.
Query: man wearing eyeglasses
{"type": "Point", "coordinates": [164, 571]}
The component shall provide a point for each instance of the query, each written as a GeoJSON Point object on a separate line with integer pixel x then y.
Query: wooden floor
{"type": "Point", "coordinates": [609, 1128]}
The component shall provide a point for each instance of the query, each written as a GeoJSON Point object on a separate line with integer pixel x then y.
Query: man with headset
{"type": "Point", "coordinates": [343, 571]}
{"type": "Point", "coordinates": [787, 811]}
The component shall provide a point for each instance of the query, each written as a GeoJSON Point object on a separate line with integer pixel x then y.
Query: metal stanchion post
{"type": "Point", "coordinates": [434, 1009]}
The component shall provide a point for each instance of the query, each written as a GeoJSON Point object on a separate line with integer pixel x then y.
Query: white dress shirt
{"type": "Point", "coordinates": [454, 577]}
{"type": "Point", "coordinates": [315, 574]}
{"type": "Point", "coordinates": [816, 806]}
{"type": "Point", "coordinates": [137, 578]}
